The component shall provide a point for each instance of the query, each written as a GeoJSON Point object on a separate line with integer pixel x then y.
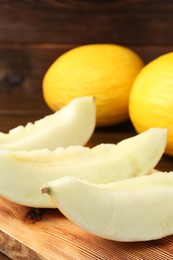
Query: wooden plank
{"type": "Point", "coordinates": [19, 104]}
{"type": "Point", "coordinates": [14, 249]}
{"type": "Point", "coordinates": [3, 257]}
{"type": "Point", "coordinates": [125, 22]}
{"type": "Point", "coordinates": [20, 108]}
{"type": "Point", "coordinates": [22, 69]}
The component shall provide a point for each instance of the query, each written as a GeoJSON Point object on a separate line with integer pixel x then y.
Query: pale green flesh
{"type": "Point", "coordinates": [138, 209]}
{"type": "Point", "coordinates": [72, 125]}
{"type": "Point", "coordinates": [23, 173]}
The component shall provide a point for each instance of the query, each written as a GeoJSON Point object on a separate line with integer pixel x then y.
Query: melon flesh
{"type": "Point", "coordinates": [74, 124]}
{"type": "Point", "coordinates": [138, 209]}
{"type": "Point", "coordinates": [24, 172]}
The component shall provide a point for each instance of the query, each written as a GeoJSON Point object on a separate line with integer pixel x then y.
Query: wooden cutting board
{"type": "Point", "coordinates": [27, 233]}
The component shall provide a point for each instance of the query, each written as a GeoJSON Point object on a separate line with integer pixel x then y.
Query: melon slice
{"type": "Point", "coordinates": [74, 124]}
{"type": "Point", "coordinates": [137, 209]}
{"type": "Point", "coordinates": [24, 172]}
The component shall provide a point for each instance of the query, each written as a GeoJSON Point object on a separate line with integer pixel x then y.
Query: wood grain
{"type": "Point", "coordinates": [52, 236]}
{"type": "Point", "coordinates": [19, 109]}
{"type": "Point", "coordinates": [3, 257]}
{"type": "Point", "coordinates": [125, 22]}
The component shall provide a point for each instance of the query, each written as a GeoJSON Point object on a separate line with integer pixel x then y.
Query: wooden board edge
{"type": "Point", "coordinates": [13, 249]}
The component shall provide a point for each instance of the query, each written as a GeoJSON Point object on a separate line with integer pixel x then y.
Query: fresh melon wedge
{"type": "Point", "coordinates": [24, 172]}
{"type": "Point", "coordinates": [74, 124]}
{"type": "Point", "coordinates": [137, 209]}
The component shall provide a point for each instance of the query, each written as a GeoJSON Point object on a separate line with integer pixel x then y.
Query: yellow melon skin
{"type": "Point", "coordinates": [151, 97]}
{"type": "Point", "coordinates": [105, 71]}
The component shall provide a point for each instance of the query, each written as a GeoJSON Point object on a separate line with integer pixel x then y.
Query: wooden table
{"type": "Point", "coordinates": [18, 109]}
